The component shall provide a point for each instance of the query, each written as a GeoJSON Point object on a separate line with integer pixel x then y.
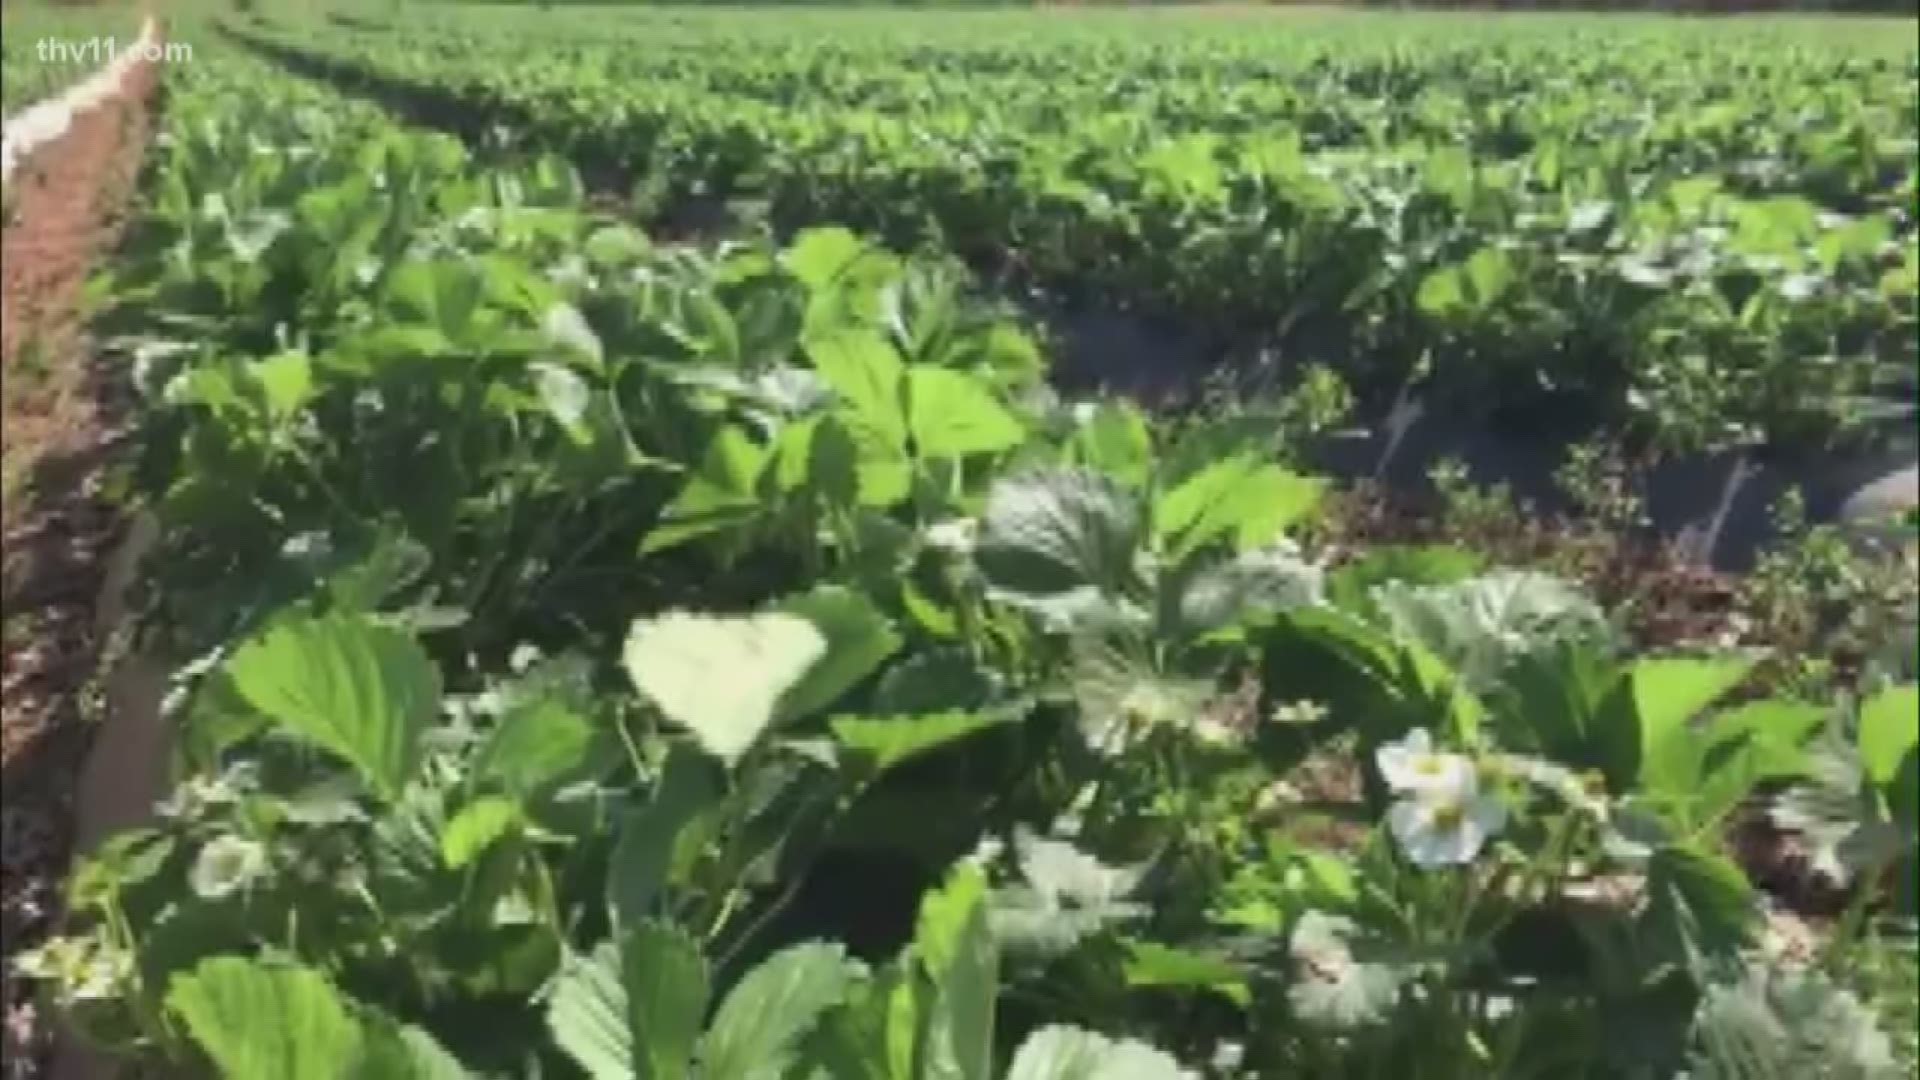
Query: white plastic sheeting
{"type": "Point", "coordinates": [45, 121]}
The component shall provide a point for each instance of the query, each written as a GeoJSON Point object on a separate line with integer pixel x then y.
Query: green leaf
{"type": "Point", "coordinates": [588, 1015]}
{"type": "Point", "coordinates": [1889, 731]}
{"type": "Point", "coordinates": [952, 940]}
{"type": "Point", "coordinates": [721, 677]}
{"type": "Point", "coordinates": [940, 680]}
{"type": "Point", "coordinates": [1549, 699]}
{"type": "Point", "coordinates": [667, 987]}
{"type": "Point", "coordinates": [1389, 686]}
{"type": "Point", "coordinates": [1057, 530]}
{"type": "Point", "coordinates": [476, 827]}
{"type": "Point", "coordinates": [266, 1018]}
{"type": "Point", "coordinates": [818, 256]}
{"type": "Point", "coordinates": [1489, 273]}
{"type": "Point", "coordinates": [536, 744]}
{"type": "Point", "coordinates": [1351, 586]}
{"type": "Point", "coordinates": [888, 741]}
{"type": "Point", "coordinates": [396, 1051]}
{"type": "Point", "coordinates": [1657, 698]}
{"type": "Point", "coordinates": [1442, 292]}
{"type": "Point", "coordinates": [441, 295]}
{"type": "Point", "coordinates": [875, 1034]}
{"type": "Point", "coordinates": [643, 857]}
{"type": "Point", "coordinates": [285, 382]}
{"type": "Point", "coordinates": [1250, 585]}
{"type": "Point", "coordinates": [613, 246]}
{"type": "Point", "coordinates": [217, 718]}
{"type": "Point", "coordinates": [757, 1031]}
{"type": "Point", "coordinates": [870, 379]}
{"type": "Point", "coordinates": [722, 494]}
{"type": "Point", "coordinates": [858, 640]}
{"type": "Point", "coordinates": [1744, 746]}
{"type": "Point", "coordinates": [868, 375]}
{"type": "Point", "coordinates": [1117, 441]}
{"type": "Point", "coordinates": [1778, 1022]}
{"type": "Point", "coordinates": [1700, 906]}
{"type": "Point", "coordinates": [632, 1009]}
{"type": "Point", "coordinates": [566, 329]}
{"type": "Point", "coordinates": [951, 413]}
{"type": "Point", "coordinates": [1151, 964]}
{"type": "Point", "coordinates": [1480, 625]}
{"type": "Point", "coordinates": [1068, 1053]}
{"type": "Point", "coordinates": [355, 688]}
{"type": "Point", "coordinates": [1241, 498]}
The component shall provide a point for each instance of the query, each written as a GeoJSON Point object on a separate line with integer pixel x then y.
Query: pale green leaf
{"type": "Point", "coordinates": [1068, 1053]}
{"type": "Point", "coordinates": [721, 677]}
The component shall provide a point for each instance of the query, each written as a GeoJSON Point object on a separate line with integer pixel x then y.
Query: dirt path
{"type": "Point", "coordinates": [61, 425]}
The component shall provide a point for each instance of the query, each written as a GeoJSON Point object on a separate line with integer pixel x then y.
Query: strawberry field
{"type": "Point", "coordinates": [640, 601]}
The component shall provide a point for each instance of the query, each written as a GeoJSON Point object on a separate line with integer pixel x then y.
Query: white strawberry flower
{"type": "Point", "coordinates": [955, 535]}
{"type": "Point", "coordinates": [1412, 765]}
{"type": "Point", "coordinates": [226, 865]}
{"type": "Point", "coordinates": [1446, 825]}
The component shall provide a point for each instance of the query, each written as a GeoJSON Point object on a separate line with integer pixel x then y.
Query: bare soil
{"type": "Point", "coordinates": [62, 425]}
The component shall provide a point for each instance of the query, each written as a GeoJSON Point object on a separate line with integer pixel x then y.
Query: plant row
{"type": "Point", "coordinates": [1624, 246]}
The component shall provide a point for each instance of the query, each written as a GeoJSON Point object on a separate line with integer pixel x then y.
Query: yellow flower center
{"type": "Point", "coordinates": [1427, 765]}
{"type": "Point", "coordinates": [1447, 818]}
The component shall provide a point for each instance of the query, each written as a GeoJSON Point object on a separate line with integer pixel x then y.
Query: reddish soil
{"type": "Point", "coordinates": [61, 426]}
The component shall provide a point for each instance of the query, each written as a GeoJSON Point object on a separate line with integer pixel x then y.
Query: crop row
{"type": "Point", "coordinates": [1602, 248]}
{"type": "Point", "coordinates": [603, 658]}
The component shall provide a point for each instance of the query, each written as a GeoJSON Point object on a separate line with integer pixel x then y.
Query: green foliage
{"type": "Point", "coordinates": [361, 691]}
{"type": "Point", "coordinates": [745, 609]}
